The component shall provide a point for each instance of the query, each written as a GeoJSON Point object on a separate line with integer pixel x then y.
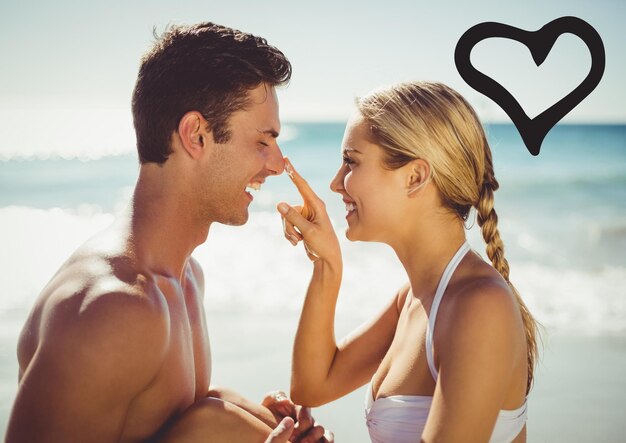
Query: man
{"type": "Point", "coordinates": [116, 346]}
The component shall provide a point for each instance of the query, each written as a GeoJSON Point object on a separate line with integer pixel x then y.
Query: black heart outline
{"type": "Point", "coordinates": [540, 43]}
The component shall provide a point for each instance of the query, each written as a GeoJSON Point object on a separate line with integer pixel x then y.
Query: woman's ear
{"type": "Point", "coordinates": [418, 176]}
{"type": "Point", "coordinates": [193, 134]}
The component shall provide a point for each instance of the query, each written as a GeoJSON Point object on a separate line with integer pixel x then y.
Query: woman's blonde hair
{"type": "Point", "coordinates": [430, 121]}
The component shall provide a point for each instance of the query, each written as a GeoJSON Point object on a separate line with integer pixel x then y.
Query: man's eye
{"type": "Point", "coordinates": [264, 144]}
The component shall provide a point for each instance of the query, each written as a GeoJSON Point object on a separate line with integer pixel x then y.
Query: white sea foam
{"type": "Point", "coordinates": [253, 269]}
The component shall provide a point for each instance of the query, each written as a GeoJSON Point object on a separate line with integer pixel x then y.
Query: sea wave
{"type": "Point", "coordinates": [253, 269]}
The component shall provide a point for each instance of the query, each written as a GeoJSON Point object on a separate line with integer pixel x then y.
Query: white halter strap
{"type": "Point", "coordinates": [432, 317]}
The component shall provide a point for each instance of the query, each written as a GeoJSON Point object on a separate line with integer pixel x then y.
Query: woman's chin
{"type": "Point", "coordinates": [354, 234]}
{"type": "Point", "coordinates": [350, 234]}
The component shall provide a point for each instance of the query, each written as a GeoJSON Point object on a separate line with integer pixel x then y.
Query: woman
{"type": "Point", "coordinates": [415, 161]}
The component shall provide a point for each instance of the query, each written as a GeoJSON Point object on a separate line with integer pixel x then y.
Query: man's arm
{"type": "Point", "coordinates": [214, 420]}
{"type": "Point", "coordinates": [95, 354]}
{"type": "Point", "coordinates": [257, 410]}
{"type": "Point", "coordinates": [275, 407]}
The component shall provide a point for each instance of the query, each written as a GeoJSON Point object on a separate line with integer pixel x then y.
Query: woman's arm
{"type": "Point", "coordinates": [323, 371]}
{"type": "Point", "coordinates": [477, 355]}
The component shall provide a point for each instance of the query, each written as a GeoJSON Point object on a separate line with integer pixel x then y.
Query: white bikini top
{"type": "Point", "coordinates": [402, 418]}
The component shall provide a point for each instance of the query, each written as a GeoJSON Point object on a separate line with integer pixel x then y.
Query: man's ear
{"type": "Point", "coordinates": [192, 130]}
{"type": "Point", "coordinates": [418, 175]}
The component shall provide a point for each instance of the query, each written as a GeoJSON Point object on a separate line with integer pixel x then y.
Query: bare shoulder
{"type": "Point", "coordinates": [480, 304]}
{"type": "Point", "coordinates": [483, 297]}
{"type": "Point", "coordinates": [108, 311]}
{"type": "Point", "coordinates": [97, 338]}
{"type": "Point", "coordinates": [480, 290]}
{"type": "Point", "coordinates": [96, 309]}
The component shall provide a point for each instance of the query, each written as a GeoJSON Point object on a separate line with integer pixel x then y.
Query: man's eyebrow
{"type": "Point", "coordinates": [271, 132]}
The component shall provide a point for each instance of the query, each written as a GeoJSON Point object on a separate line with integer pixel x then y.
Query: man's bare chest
{"type": "Point", "coordinates": [184, 377]}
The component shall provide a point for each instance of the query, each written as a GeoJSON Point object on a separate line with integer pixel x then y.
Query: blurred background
{"type": "Point", "coordinates": [68, 165]}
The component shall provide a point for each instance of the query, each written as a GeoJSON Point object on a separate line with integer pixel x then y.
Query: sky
{"type": "Point", "coordinates": [69, 64]}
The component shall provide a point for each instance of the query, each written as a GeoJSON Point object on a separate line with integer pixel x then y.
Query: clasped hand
{"type": "Point", "coordinates": [306, 430]}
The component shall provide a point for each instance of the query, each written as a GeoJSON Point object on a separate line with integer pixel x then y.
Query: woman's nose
{"type": "Point", "coordinates": [336, 185]}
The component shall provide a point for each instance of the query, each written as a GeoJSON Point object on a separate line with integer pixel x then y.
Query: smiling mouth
{"type": "Point", "coordinates": [350, 207]}
{"type": "Point", "coordinates": [252, 186]}
{"type": "Point", "coordinates": [255, 186]}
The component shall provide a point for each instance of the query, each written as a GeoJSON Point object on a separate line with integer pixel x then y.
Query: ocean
{"type": "Point", "coordinates": [562, 217]}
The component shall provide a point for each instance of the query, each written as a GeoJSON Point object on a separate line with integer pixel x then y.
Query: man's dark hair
{"type": "Point", "coordinates": [206, 68]}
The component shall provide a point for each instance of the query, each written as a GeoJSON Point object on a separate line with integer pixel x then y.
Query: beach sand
{"type": "Point", "coordinates": [578, 395]}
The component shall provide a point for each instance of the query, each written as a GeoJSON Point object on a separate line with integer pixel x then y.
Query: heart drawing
{"type": "Point", "coordinates": [540, 43]}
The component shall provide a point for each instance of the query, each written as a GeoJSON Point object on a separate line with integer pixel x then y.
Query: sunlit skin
{"type": "Point", "coordinates": [116, 347]}
{"type": "Point", "coordinates": [479, 342]}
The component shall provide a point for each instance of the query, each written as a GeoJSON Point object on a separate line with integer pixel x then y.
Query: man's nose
{"type": "Point", "coordinates": [275, 161]}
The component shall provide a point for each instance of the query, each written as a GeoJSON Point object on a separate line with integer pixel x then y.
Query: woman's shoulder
{"type": "Point", "coordinates": [479, 300]}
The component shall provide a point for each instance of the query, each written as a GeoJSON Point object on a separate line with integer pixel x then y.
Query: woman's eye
{"type": "Point", "coordinates": [348, 161]}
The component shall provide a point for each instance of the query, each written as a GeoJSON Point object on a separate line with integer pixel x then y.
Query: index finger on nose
{"type": "Point", "coordinates": [303, 187]}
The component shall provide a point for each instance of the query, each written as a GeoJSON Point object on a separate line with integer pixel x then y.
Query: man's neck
{"type": "Point", "coordinates": [163, 226]}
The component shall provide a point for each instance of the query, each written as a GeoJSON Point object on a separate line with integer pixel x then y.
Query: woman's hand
{"type": "Point", "coordinates": [309, 222]}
